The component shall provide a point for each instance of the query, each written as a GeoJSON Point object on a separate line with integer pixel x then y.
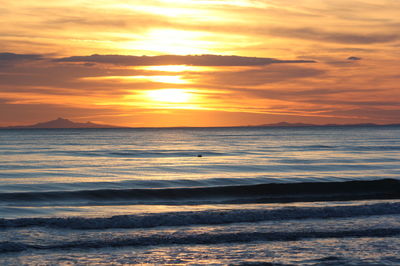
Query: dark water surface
{"type": "Point", "coordinates": [311, 196]}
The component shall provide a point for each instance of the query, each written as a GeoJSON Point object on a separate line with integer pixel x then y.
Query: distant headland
{"type": "Point", "coordinates": [63, 123]}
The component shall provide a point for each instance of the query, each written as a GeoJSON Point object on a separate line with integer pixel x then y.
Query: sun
{"type": "Point", "coordinates": [170, 95]}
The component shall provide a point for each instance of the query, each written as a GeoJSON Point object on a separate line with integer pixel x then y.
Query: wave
{"type": "Point", "coordinates": [121, 153]}
{"type": "Point", "coordinates": [261, 150]}
{"type": "Point", "coordinates": [160, 153]}
{"type": "Point", "coordinates": [208, 217]}
{"type": "Point", "coordinates": [348, 148]}
{"type": "Point", "coordinates": [237, 194]}
{"type": "Point", "coordinates": [200, 238]}
{"type": "Point", "coordinates": [146, 153]}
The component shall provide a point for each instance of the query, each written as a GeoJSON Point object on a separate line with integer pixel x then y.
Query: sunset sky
{"type": "Point", "coordinates": [200, 62]}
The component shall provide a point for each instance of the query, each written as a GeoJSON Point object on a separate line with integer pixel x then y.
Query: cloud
{"type": "Point", "coordinates": [20, 114]}
{"type": "Point", "coordinates": [195, 60]}
{"type": "Point", "coordinates": [6, 58]}
{"type": "Point", "coordinates": [335, 37]}
{"type": "Point", "coordinates": [305, 98]}
{"type": "Point", "coordinates": [254, 85]}
{"type": "Point", "coordinates": [355, 58]}
{"type": "Point", "coordinates": [369, 113]}
{"type": "Point", "coordinates": [101, 19]}
{"type": "Point", "coordinates": [269, 74]}
{"type": "Point", "coordinates": [62, 76]}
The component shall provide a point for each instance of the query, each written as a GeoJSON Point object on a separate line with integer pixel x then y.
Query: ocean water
{"type": "Point", "coordinates": [201, 196]}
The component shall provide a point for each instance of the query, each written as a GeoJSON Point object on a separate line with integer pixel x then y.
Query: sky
{"type": "Point", "coordinates": [159, 63]}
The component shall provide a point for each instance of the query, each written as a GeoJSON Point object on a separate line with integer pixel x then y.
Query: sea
{"type": "Point", "coordinates": [200, 196]}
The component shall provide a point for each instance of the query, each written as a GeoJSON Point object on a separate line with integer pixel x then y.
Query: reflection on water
{"type": "Point", "coordinates": [137, 196]}
{"type": "Point", "coordinates": [161, 157]}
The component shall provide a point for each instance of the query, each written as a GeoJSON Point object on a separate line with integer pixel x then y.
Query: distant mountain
{"type": "Point", "coordinates": [62, 123]}
{"type": "Point", "coordinates": [65, 123]}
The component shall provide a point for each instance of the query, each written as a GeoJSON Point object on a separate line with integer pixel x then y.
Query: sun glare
{"type": "Point", "coordinates": [171, 41]}
{"type": "Point", "coordinates": [160, 79]}
{"type": "Point", "coordinates": [173, 68]}
{"type": "Point", "coordinates": [169, 95]}
{"type": "Point", "coordinates": [167, 79]}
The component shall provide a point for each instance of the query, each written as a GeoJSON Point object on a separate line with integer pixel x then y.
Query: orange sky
{"type": "Point", "coordinates": [200, 62]}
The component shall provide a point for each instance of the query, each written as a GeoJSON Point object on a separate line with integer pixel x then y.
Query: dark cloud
{"type": "Point", "coordinates": [333, 60]}
{"type": "Point", "coordinates": [66, 79]}
{"type": "Point", "coordinates": [355, 58]}
{"type": "Point", "coordinates": [195, 60]}
{"type": "Point", "coordinates": [47, 77]}
{"type": "Point", "coordinates": [3, 101]}
{"type": "Point", "coordinates": [6, 58]}
{"type": "Point", "coordinates": [335, 37]}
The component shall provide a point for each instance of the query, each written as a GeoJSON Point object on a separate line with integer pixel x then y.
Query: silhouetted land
{"type": "Point", "coordinates": [65, 123]}
{"type": "Point", "coordinates": [61, 123]}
